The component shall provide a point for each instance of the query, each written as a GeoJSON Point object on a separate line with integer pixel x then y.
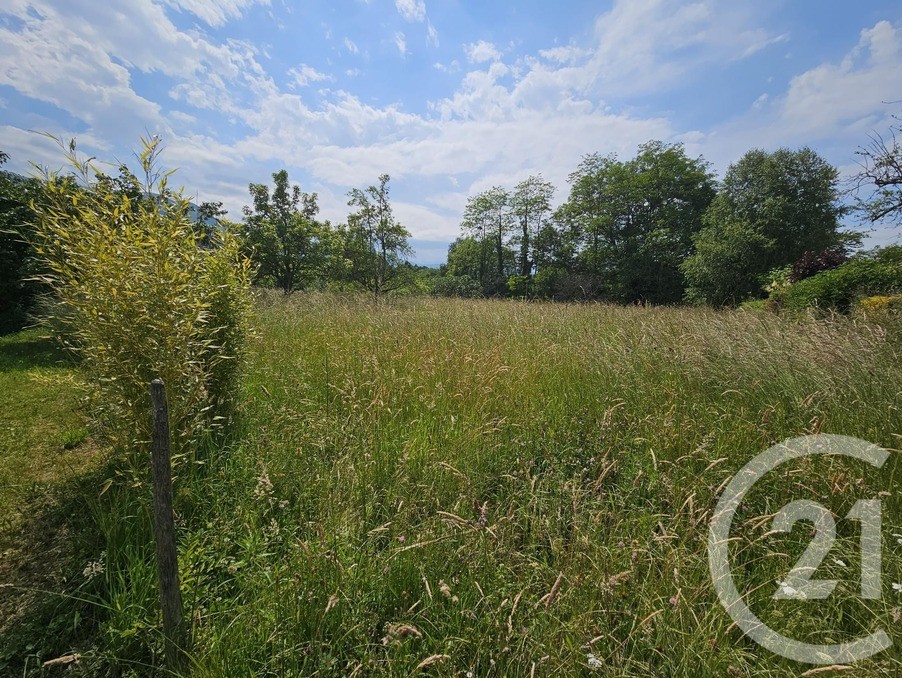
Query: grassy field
{"type": "Point", "coordinates": [475, 487]}
{"type": "Point", "coordinates": [45, 454]}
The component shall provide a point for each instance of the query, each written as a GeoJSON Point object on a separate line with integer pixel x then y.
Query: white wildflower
{"type": "Point", "coordinates": [95, 567]}
{"type": "Point", "coordinates": [897, 588]}
{"type": "Point", "coordinates": [593, 661]}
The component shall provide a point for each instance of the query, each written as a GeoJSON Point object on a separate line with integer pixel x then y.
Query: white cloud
{"type": "Point", "coordinates": [401, 43]}
{"type": "Point", "coordinates": [563, 55]}
{"type": "Point", "coordinates": [182, 117]}
{"type": "Point", "coordinates": [431, 34]}
{"type": "Point", "coordinates": [834, 94]}
{"type": "Point", "coordinates": [479, 52]}
{"type": "Point", "coordinates": [302, 75]}
{"type": "Point", "coordinates": [425, 222]}
{"type": "Point", "coordinates": [832, 106]}
{"type": "Point", "coordinates": [48, 60]}
{"type": "Point", "coordinates": [501, 122]}
{"type": "Point", "coordinates": [24, 147]}
{"type": "Point", "coordinates": [453, 67]}
{"type": "Point", "coordinates": [763, 41]}
{"type": "Point", "coordinates": [646, 45]}
{"type": "Point", "coordinates": [215, 12]}
{"type": "Point", "coordinates": [411, 10]}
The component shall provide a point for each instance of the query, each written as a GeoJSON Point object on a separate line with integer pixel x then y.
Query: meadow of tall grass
{"type": "Point", "coordinates": [463, 487]}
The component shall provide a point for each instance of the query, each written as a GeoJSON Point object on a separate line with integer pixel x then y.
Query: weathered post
{"type": "Point", "coordinates": [164, 531]}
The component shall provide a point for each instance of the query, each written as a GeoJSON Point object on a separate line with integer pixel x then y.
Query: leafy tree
{"type": "Point", "coordinates": [531, 204]}
{"type": "Point", "coordinates": [770, 210]}
{"type": "Point", "coordinates": [881, 172]}
{"type": "Point", "coordinates": [631, 223]}
{"type": "Point", "coordinates": [725, 266]}
{"type": "Point", "coordinates": [584, 218]}
{"type": "Point", "coordinates": [465, 258]}
{"type": "Point", "coordinates": [489, 219]}
{"type": "Point", "coordinates": [208, 218]}
{"type": "Point", "coordinates": [211, 210]}
{"type": "Point", "coordinates": [375, 243]}
{"type": "Point", "coordinates": [17, 258]}
{"type": "Point", "coordinates": [287, 243]}
{"type": "Point", "coordinates": [455, 286]}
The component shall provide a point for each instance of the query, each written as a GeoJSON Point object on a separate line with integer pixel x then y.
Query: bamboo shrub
{"type": "Point", "coordinates": [138, 298]}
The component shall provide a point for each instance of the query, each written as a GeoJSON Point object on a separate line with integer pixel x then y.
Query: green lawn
{"type": "Point", "coordinates": [43, 438]}
{"type": "Point", "coordinates": [494, 488]}
{"type": "Point", "coordinates": [45, 454]}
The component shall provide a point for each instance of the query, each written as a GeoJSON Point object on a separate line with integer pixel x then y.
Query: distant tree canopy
{"type": "Point", "coordinates": [489, 220]}
{"type": "Point", "coordinates": [286, 242]}
{"type": "Point", "coordinates": [631, 223]}
{"type": "Point", "coordinates": [621, 234]}
{"type": "Point", "coordinates": [376, 244]}
{"type": "Point", "coordinates": [655, 228]}
{"type": "Point", "coordinates": [771, 209]}
{"type": "Point", "coordinates": [293, 250]}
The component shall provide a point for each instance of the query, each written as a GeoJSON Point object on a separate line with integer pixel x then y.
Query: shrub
{"type": "Point", "coordinates": [878, 307]}
{"type": "Point", "coordinates": [140, 299]}
{"type": "Point", "coordinates": [455, 286]}
{"type": "Point", "coordinates": [839, 288]}
{"type": "Point", "coordinates": [518, 285]}
{"type": "Point", "coordinates": [812, 263]}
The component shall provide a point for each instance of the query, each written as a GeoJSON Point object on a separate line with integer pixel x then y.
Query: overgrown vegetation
{"type": "Point", "coordinates": [508, 487]}
{"type": "Point", "coordinates": [456, 486]}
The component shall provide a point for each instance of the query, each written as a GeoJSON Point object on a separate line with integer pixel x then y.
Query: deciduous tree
{"type": "Point", "coordinates": [287, 243]}
{"type": "Point", "coordinates": [531, 206]}
{"type": "Point", "coordinates": [770, 210]}
{"type": "Point", "coordinates": [488, 218]}
{"type": "Point", "coordinates": [17, 259]}
{"type": "Point", "coordinates": [881, 175]}
{"type": "Point", "coordinates": [376, 243]}
{"type": "Point", "coordinates": [633, 221]}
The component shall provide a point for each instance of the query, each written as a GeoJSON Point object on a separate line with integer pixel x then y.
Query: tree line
{"type": "Point", "coordinates": [293, 249]}
{"type": "Point", "coordinates": [656, 228]}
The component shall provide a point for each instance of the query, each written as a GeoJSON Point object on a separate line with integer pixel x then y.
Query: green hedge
{"type": "Point", "coordinates": [838, 289]}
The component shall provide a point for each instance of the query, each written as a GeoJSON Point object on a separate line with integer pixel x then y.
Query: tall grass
{"type": "Point", "coordinates": [504, 489]}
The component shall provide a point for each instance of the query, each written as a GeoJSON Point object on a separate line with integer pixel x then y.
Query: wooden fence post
{"type": "Point", "coordinates": [164, 532]}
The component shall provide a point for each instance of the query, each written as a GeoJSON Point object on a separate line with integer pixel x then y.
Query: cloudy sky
{"type": "Point", "coordinates": [448, 97]}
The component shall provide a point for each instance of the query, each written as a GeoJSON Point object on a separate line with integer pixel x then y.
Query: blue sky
{"type": "Point", "coordinates": [447, 97]}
